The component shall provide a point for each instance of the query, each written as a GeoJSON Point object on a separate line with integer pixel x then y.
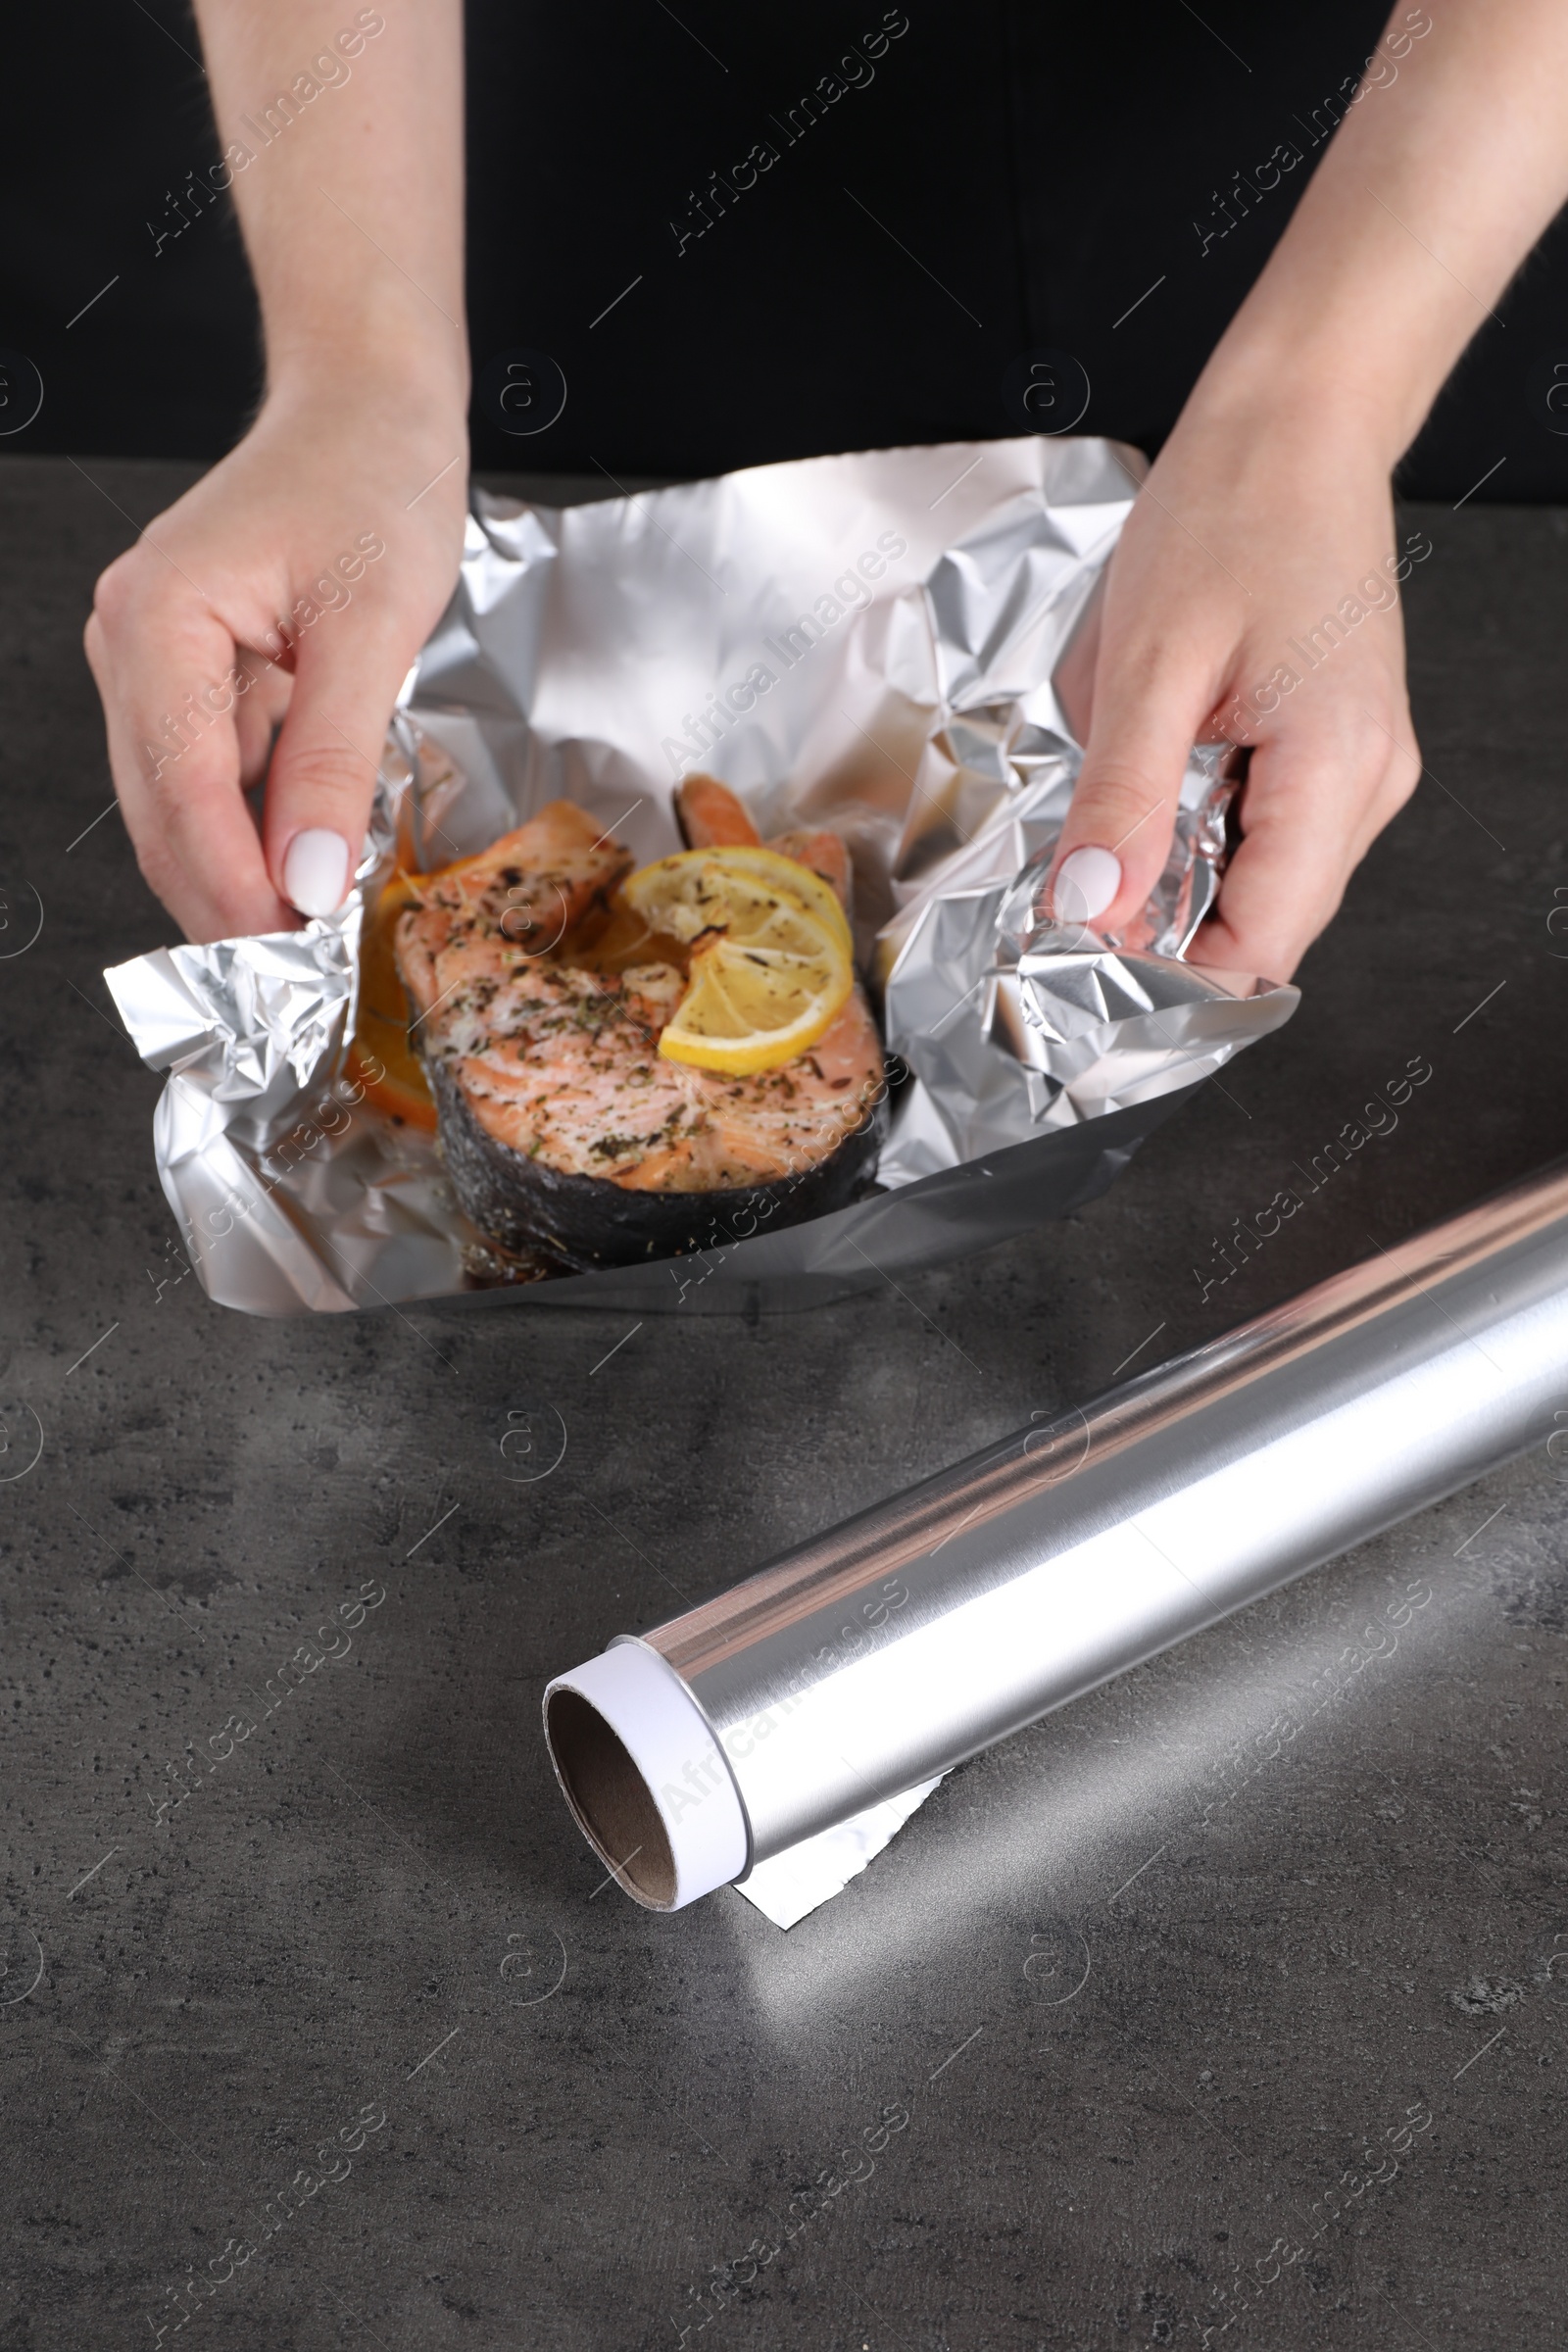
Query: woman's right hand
{"type": "Point", "coordinates": [290, 589]}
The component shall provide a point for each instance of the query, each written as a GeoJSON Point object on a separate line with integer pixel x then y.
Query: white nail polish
{"type": "Point", "coordinates": [315, 871]}
{"type": "Point", "coordinates": [1086, 884]}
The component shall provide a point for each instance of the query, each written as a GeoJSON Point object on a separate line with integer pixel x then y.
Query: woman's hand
{"type": "Point", "coordinates": [291, 588]}
{"type": "Point", "coordinates": [294, 585]}
{"type": "Point", "coordinates": [1243, 599]}
{"type": "Point", "coordinates": [1254, 597]}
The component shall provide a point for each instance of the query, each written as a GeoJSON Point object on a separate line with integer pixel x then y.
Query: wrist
{"type": "Point", "coordinates": [1308, 391]}
{"type": "Point", "coordinates": [394, 382]}
{"type": "Point", "coordinates": [407, 340]}
{"type": "Point", "coordinates": [1351, 326]}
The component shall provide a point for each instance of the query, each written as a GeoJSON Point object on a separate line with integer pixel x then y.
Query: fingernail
{"type": "Point", "coordinates": [315, 871]}
{"type": "Point", "coordinates": [1086, 884]}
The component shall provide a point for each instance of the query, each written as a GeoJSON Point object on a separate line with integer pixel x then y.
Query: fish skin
{"type": "Point", "coordinates": [583, 1224]}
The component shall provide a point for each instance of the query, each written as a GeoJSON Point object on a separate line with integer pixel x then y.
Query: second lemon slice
{"type": "Point", "coordinates": [770, 955]}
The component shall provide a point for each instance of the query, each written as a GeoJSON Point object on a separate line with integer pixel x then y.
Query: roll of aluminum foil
{"type": "Point", "coordinates": [884, 1652]}
{"type": "Point", "coordinates": [877, 643]}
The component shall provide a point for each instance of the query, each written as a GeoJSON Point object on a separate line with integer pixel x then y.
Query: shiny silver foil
{"type": "Point", "coordinates": [875, 643]}
{"type": "Point", "coordinates": [1012, 1025]}
{"type": "Point", "coordinates": [897, 1644]}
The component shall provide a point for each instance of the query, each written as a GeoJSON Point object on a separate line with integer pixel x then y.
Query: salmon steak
{"type": "Point", "coordinates": [537, 1001]}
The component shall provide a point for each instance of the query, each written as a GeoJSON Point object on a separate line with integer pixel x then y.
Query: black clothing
{"type": "Point", "coordinates": [705, 237]}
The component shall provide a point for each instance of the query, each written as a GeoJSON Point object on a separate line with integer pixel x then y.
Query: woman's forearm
{"type": "Point", "coordinates": [1451, 160]}
{"type": "Point", "coordinates": [252, 601]}
{"type": "Point", "coordinates": [1248, 596]}
{"type": "Point", "coordinates": [342, 129]}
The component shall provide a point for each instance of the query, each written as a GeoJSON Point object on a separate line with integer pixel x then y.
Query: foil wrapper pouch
{"type": "Point", "coordinates": [875, 643]}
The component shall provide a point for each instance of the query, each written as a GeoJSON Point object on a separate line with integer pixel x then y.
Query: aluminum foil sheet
{"type": "Point", "coordinates": [1010, 1023]}
{"type": "Point", "coordinates": [875, 643]}
{"type": "Point", "coordinates": [893, 1648]}
{"type": "Point", "coordinates": [805, 1877]}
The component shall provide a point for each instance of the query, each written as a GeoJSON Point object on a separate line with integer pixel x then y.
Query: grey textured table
{"type": "Point", "coordinates": [1222, 2008]}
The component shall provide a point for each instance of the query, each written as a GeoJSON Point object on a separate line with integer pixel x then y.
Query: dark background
{"type": "Point", "coordinates": [1032, 171]}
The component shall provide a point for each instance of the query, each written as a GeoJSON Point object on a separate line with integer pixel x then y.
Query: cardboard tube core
{"type": "Point", "coordinates": [613, 1802]}
{"type": "Point", "coordinates": [646, 1780]}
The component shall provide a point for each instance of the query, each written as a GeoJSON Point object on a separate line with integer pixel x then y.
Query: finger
{"type": "Point", "coordinates": [323, 774]}
{"type": "Point", "coordinates": [258, 716]}
{"type": "Point", "coordinates": [1116, 838]}
{"type": "Point", "coordinates": [1310, 809]}
{"type": "Point", "coordinates": [170, 682]}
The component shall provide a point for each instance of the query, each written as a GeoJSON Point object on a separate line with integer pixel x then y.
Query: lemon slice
{"type": "Point", "coordinates": [771, 963]}
{"type": "Point", "coordinates": [674, 893]}
{"type": "Point", "coordinates": [778, 872]}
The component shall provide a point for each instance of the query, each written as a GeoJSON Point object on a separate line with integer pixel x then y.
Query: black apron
{"type": "Point", "coordinates": [759, 233]}
{"type": "Point", "coordinates": [704, 237]}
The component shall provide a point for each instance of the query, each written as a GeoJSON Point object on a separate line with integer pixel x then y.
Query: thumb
{"type": "Point", "coordinates": [323, 774]}
{"type": "Point", "coordinates": [1118, 834]}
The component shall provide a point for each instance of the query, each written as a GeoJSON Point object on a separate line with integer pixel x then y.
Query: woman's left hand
{"type": "Point", "coordinates": [1254, 597]}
